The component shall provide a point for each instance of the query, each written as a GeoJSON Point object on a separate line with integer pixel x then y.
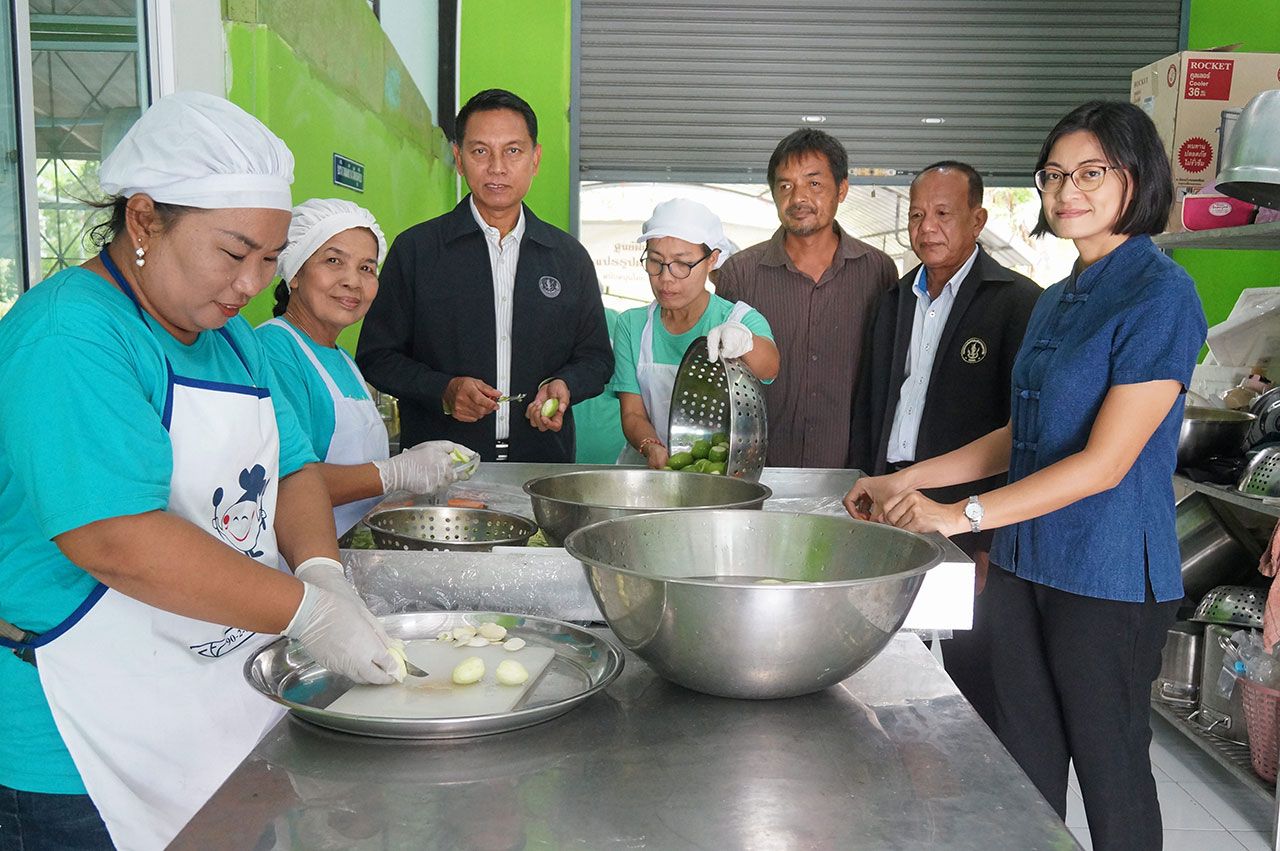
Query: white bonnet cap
{"type": "Point", "coordinates": [690, 221]}
{"type": "Point", "coordinates": [199, 150]}
{"type": "Point", "coordinates": [317, 221]}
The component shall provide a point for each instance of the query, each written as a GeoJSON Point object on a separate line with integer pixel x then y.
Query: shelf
{"type": "Point", "coordinates": [1230, 755]}
{"type": "Point", "coordinates": [1263, 237]}
{"type": "Point", "coordinates": [1226, 493]}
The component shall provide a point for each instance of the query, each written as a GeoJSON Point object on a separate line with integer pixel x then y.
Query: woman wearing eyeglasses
{"type": "Point", "coordinates": [683, 243]}
{"type": "Point", "coordinates": [1089, 573]}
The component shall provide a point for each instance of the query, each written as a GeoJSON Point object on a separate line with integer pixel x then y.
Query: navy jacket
{"type": "Point", "coordinates": [433, 320]}
{"type": "Point", "coordinates": [968, 393]}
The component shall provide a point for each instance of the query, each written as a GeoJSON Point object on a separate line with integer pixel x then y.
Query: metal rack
{"type": "Point", "coordinates": [1230, 755]}
{"type": "Point", "coordinates": [1263, 237]}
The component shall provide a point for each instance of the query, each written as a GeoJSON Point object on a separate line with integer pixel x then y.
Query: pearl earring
{"type": "Point", "coordinates": [142, 256]}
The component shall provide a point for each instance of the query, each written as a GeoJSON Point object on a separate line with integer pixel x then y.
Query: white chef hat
{"type": "Point", "coordinates": [690, 221]}
{"type": "Point", "coordinates": [728, 248]}
{"type": "Point", "coordinates": [317, 221]}
{"type": "Point", "coordinates": [199, 150]}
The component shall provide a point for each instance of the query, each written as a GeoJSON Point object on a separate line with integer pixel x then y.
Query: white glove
{"type": "Point", "coordinates": [328, 574]}
{"type": "Point", "coordinates": [729, 340]}
{"type": "Point", "coordinates": [426, 468]}
{"type": "Point", "coordinates": [338, 635]}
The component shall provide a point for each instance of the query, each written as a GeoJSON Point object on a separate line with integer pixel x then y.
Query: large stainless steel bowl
{"type": "Point", "coordinates": [1210, 432]}
{"type": "Point", "coordinates": [683, 591]}
{"type": "Point", "coordinates": [567, 501]}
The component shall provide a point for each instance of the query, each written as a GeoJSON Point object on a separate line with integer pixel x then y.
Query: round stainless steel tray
{"type": "Point", "coordinates": [584, 663]}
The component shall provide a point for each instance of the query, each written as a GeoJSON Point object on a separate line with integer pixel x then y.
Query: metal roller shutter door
{"type": "Point", "coordinates": [702, 90]}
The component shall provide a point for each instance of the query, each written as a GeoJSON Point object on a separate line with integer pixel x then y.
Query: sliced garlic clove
{"type": "Point", "coordinates": [464, 633]}
{"type": "Point", "coordinates": [493, 631]}
{"type": "Point", "coordinates": [513, 644]}
{"type": "Point", "coordinates": [444, 636]}
{"type": "Point", "coordinates": [478, 641]}
{"type": "Point", "coordinates": [511, 673]}
{"type": "Point", "coordinates": [468, 671]}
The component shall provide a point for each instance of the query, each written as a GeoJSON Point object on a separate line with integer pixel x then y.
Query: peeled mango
{"type": "Point", "coordinates": [468, 671]}
{"type": "Point", "coordinates": [511, 673]}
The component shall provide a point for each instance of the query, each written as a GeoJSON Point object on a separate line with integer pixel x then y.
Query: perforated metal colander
{"type": "Point", "coordinates": [1262, 475]}
{"type": "Point", "coordinates": [436, 527]}
{"type": "Point", "coordinates": [1234, 605]}
{"type": "Point", "coordinates": [719, 397]}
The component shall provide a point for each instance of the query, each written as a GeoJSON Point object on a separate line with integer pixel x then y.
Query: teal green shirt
{"type": "Point", "coordinates": [667, 347]}
{"type": "Point", "coordinates": [303, 387]}
{"type": "Point", "coordinates": [81, 440]}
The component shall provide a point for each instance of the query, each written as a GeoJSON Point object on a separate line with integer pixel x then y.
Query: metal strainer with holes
{"type": "Point", "coordinates": [1262, 475]}
{"type": "Point", "coordinates": [711, 397]}
{"type": "Point", "coordinates": [437, 527]}
{"type": "Point", "coordinates": [1234, 605]}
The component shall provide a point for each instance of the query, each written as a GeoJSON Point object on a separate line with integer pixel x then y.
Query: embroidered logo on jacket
{"type": "Point", "coordinates": [973, 350]}
{"type": "Point", "coordinates": [550, 286]}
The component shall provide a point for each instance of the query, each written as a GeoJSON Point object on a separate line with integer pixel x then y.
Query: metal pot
{"type": "Point", "coordinates": [1179, 680]}
{"type": "Point", "coordinates": [1211, 432]}
{"type": "Point", "coordinates": [1251, 159]}
{"type": "Point", "coordinates": [1212, 554]}
{"type": "Point", "coordinates": [1219, 716]}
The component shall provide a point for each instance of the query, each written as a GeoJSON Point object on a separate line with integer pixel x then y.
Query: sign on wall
{"type": "Point", "coordinates": [348, 173]}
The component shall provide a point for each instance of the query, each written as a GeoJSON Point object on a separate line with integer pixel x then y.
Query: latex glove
{"type": "Point", "coordinates": [729, 340]}
{"type": "Point", "coordinates": [425, 468]}
{"type": "Point", "coordinates": [337, 634]}
{"type": "Point", "coordinates": [328, 574]}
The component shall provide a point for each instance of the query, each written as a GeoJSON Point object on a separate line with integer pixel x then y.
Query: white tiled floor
{"type": "Point", "coordinates": [1203, 807]}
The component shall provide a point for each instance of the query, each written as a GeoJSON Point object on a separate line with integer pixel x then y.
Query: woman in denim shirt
{"type": "Point", "coordinates": [1088, 577]}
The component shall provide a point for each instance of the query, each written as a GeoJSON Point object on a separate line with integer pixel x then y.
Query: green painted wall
{"type": "Point", "coordinates": [349, 95]}
{"type": "Point", "coordinates": [525, 46]}
{"type": "Point", "coordinates": [1221, 275]}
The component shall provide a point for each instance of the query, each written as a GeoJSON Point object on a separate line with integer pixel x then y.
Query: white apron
{"type": "Point", "coordinates": [359, 434]}
{"type": "Point", "coordinates": [658, 380]}
{"type": "Point", "coordinates": [153, 706]}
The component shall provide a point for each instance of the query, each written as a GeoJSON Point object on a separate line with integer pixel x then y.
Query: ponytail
{"type": "Point", "coordinates": [282, 299]}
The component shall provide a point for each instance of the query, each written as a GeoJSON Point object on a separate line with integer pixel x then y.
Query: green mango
{"type": "Point", "coordinates": [680, 460]}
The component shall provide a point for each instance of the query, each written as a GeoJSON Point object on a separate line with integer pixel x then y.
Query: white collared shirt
{"type": "Point", "coordinates": [926, 333]}
{"type": "Point", "coordinates": [504, 254]}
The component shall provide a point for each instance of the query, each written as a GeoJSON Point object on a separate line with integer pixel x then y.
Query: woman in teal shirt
{"type": "Point", "coordinates": [329, 278]}
{"type": "Point", "coordinates": [683, 242]}
{"type": "Point", "coordinates": [150, 487]}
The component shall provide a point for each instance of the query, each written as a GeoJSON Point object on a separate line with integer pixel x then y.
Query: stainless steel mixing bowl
{"type": "Point", "coordinates": [567, 501]}
{"type": "Point", "coordinates": [683, 591]}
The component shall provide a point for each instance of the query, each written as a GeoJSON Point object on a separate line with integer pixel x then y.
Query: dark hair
{"type": "Point", "coordinates": [1129, 140]}
{"type": "Point", "coordinates": [104, 233]}
{"type": "Point", "coordinates": [282, 298]}
{"type": "Point", "coordinates": [809, 141]}
{"type": "Point", "coordinates": [491, 99]}
{"type": "Point", "coordinates": [971, 173]}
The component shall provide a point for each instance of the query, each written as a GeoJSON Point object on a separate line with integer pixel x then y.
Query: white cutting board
{"type": "Point", "coordinates": [437, 696]}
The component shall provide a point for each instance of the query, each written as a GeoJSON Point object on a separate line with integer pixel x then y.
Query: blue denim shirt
{"type": "Point", "coordinates": [1131, 317]}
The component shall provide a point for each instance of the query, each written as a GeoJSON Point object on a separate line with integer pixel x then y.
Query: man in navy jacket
{"type": "Point", "coordinates": [486, 302]}
{"type": "Point", "coordinates": [935, 371]}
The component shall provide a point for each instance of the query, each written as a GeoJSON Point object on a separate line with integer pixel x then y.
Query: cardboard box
{"type": "Point", "coordinates": [1185, 95]}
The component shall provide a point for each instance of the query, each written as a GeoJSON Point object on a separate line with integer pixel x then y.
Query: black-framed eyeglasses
{"type": "Point", "coordinates": [1087, 178]}
{"type": "Point", "coordinates": [679, 269]}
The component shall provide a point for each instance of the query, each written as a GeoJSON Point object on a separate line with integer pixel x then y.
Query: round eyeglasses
{"type": "Point", "coordinates": [679, 269]}
{"type": "Point", "coordinates": [1087, 178]}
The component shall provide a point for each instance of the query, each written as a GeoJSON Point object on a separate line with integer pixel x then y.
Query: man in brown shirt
{"type": "Point", "coordinates": [817, 286]}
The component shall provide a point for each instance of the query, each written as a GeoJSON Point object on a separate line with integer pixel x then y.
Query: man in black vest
{"type": "Point", "coordinates": [488, 302]}
{"type": "Point", "coordinates": [935, 372]}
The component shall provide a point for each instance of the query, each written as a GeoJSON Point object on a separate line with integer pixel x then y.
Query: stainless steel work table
{"type": "Point", "coordinates": [892, 757]}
